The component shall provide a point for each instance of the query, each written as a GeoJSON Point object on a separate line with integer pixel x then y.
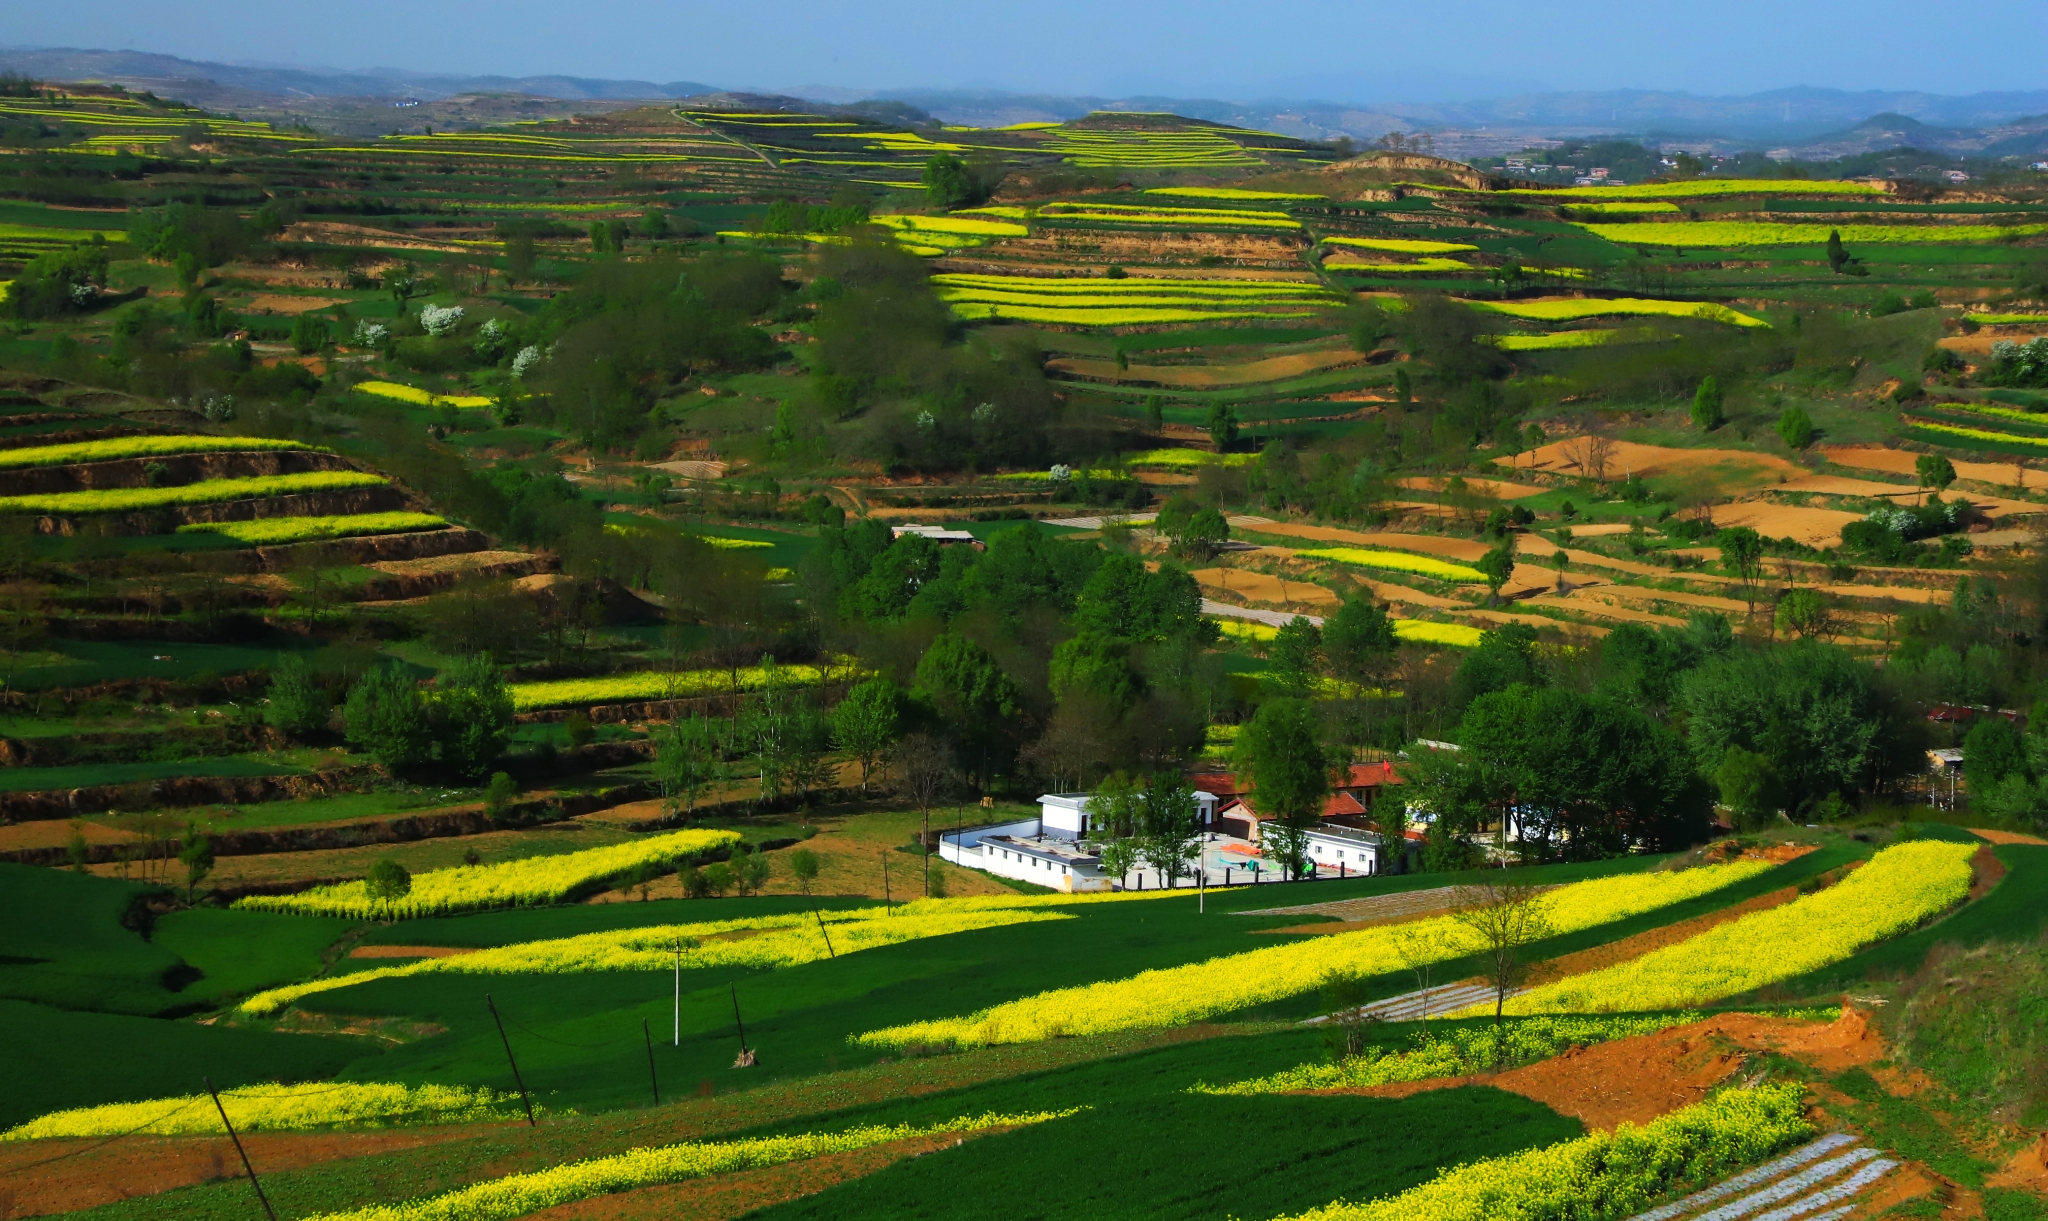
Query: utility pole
{"type": "Point", "coordinates": [516, 1079]}
{"type": "Point", "coordinates": [653, 1081]}
{"type": "Point", "coordinates": [260, 1197]}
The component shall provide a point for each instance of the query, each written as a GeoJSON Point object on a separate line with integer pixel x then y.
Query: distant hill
{"type": "Point", "coordinates": [1815, 123]}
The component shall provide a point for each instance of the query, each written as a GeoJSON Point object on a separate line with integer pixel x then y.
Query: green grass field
{"type": "Point", "coordinates": [87, 775]}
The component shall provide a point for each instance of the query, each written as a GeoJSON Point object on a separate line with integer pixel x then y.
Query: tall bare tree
{"type": "Point", "coordinates": [929, 773]}
{"type": "Point", "coordinates": [1507, 915]}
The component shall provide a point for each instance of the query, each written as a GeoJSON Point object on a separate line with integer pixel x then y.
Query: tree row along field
{"type": "Point", "coordinates": [471, 597]}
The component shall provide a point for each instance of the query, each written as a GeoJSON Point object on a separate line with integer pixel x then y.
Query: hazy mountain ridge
{"type": "Point", "coordinates": [1813, 123]}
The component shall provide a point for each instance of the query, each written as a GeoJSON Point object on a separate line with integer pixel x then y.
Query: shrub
{"type": "Point", "coordinates": [297, 706]}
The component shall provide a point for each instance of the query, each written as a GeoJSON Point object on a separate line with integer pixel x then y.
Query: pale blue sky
{"type": "Point", "coordinates": [1360, 50]}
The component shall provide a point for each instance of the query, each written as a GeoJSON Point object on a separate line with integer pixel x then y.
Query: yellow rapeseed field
{"type": "Point", "coordinates": [519, 1194]}
{"type": "Point", "coordinates": [279, 1108]}
{"type": "Point", "coordinates": [1176, 996]}
{"type": "Point", "coordinates": [1396, 561]}
{"type": "Point", "coordinates": [777, 941]}
{"type": "Point", "coordinates": [112, 448]}
{"type": "Point", "coordinates": [537, 879]}
{"type": "Point", "coordinates": [1900, 887]}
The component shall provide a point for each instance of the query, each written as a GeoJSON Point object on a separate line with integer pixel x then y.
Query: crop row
{"type": "Point", "coordinates": [654, 685]}
{"type": "Point", "coordinates": [1769, 233]}
{"type": "Point", "coordinates": [1106, 289]}
{"type": "Point", "coordinates": [210, 491]}
{"type": "Point", "coordinates": [1698, 188]}
{"type": "Point", "coordinates": [1623, 208]}
{"type": "Point", "coordinates": [1426, 631]}
{"type": "Point", "coordinates": [268, 531]}
{"type": "Point", "coordinates": [1419, 265]}
{"type": "Point", "coordinates": [776, 942]}
{"type": "Point", "coordinates": [1897, 889]}
{"type": "Point", "coordinates": [1187, 459]}
{"type": "Point", "coordinates": [2009, 319]}
{"type": "Point", "coordinates": [539, 879]}
{"type": "Point", "coordinates": [1578, 339]}
{"type": "Point", "coordinates": [1069, 315]}
{"type": "Point", "coordinates": [112, 448]}
{"type": "Point", "coordinates": [278, 1108]}
{"type": "Point", "coordinates": [516, 1195]}
{"type": "Point", "coordinates": [1961, 433]}
{"type": "Point", "coordinates": [1573, 308]}
{"type": "Point", "coordinates": [1606, 1174]}
{"type": "Point", "coordinates": [1229, 193]}
{"type": "Point", "coordinates": [1400, 245]}
{"type": "Point", "coordinates": [421, 398]}
{"type": "Point", "coordinates": [1415, 631]}
{"type": "Point", "coordinates": [1175, 996]}
{"type": "Point", "coordinates": [1396, 561]}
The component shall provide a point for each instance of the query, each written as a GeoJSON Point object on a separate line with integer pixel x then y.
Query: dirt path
{"type": "Point", "coordinates": [1246, 586]}
{"type": "Point", "coordinates": [1636, 1080]}
{"type": "Point", "coordinates": [1900, 462]}
{"type": "Point", "coordinates": [1499, 489]}
{"type": "Point", "coordinates": [1730, 472]}
{"type": "Point", "coordinates": [1603, 610]}
{"type": "Point", "coordinates": [2007, 837]}
{"type": "Point", "coordinates": [144, 1166]}
{"type": "Point", "coordinates": [1814, 527]}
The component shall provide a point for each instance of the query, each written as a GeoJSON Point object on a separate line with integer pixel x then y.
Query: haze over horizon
{"type": "Point", "coordinates": [1377, 52]}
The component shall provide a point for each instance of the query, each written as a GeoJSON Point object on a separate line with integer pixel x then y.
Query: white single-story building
{"type": "Point", "coordinates": [1345, 851]}
{"type": "Point", "coordinates": [1066, 814]}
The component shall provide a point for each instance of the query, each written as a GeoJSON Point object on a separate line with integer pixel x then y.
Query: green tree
{"type": "Point", "coordinates": [1505, 656]}
{"type": "Point", "coordinates": [1806, 612]}
{"type": "Point", "coordinates": [1171, 823]}
{"type": "Point", "coordinates": [1206, 533]}
{"type": "Point", "coordinates": [197, 857]}
{"type": "Point", "coordinates": [1497, 566]}
{"type": "Point", "coordinates": [686, 762]}
{"type": "Point", "coordinates": [297, 704]}
{"type": "Point", "coordinates": [1742, 552]}
{"type": "Point", "coordinates": [498, 795]}
{"type": "Point", "coordinates": [1796, 427]}
{"type": "Point", "coordinates": [1993, 750]}
{"type": "Point", "coordinates": [1934, 471]}
{"type": "Point", "coordinates": [1155, 413]}
{"type": "Point", "coordinates": [1840, 260]}
{"type": "Point", "coordinates": [974, 694]}
{"type": "Point", "coordinates": [1296, 654]}
{"type": "Point", "coordinates": [1707, 413]}
{"type": "Point", "coordinates": [387, 883]}
{"type": "Point", "coordinates": [1280, 754]}
{"type": "Point", "coordinates": [867, 722]}
{"type": "Point", "coordinates": [1222, 427]}
{"type": "Point", "coordinates": [1749, 788]}
{"type": "Point", "coordinates": [1585, 776]}
{"type": "Point", "coordinates": [471, 714]}
{"type": "Point", "coordinates": [1813, 710]}
{"type": "Point", "coordinates": [309, 334]}
{"type": "Point", "coordinates": [386, 716]}
{"type": "Point", "coordinates": [947, 182]}
{"type": "Point", "coordinates": [1359, 640]}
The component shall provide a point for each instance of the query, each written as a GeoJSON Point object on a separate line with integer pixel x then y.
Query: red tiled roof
{"type": "Point", "coordinates": [1370, 775]}
{"type": "Point", "coordinates": [1222, 784]}
{"type": "Point", "coordinates": [1336, 804]}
